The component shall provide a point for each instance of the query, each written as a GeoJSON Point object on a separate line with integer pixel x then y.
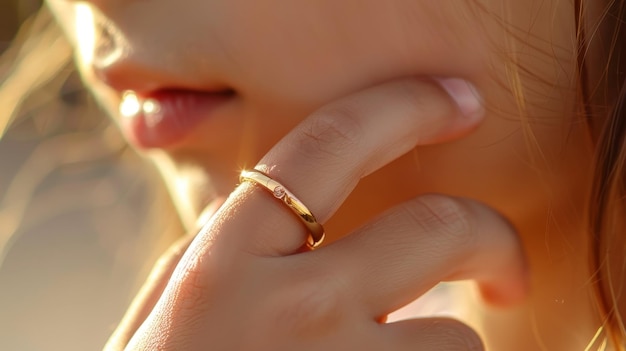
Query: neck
{"type": "Point", "coordinates": [560, 313]}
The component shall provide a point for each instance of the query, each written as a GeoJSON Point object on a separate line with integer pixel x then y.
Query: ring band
{"type": "Point", "coordinates": [316, 231]}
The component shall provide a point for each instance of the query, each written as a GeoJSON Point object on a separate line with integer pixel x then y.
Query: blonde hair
{"type": "Point", "coordinates": [36, 75]}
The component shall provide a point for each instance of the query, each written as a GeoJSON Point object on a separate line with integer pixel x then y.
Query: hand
{"type": "Point", "coordinates": [244, 283]}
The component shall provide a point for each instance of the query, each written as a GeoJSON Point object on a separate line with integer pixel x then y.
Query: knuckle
{"type": "Point", "coordinates": [191, 297]}
{"type": "Point", "coordinates": [450, 218]}
{"type": "Point", "coordinates": [196, 289]}
{"type": "Point", "coordinates": [310, 308]}
{"type": "Point", "coordinates": [332, 131]}
{"type": "Point", "coordinates": [192, 305]}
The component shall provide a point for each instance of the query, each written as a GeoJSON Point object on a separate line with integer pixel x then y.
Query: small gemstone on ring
{"type": "Point", "coordinates": [279, 192]}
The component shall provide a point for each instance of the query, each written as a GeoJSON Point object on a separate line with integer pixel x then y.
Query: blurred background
{"type": "Point", "coordinates": [78, 230]}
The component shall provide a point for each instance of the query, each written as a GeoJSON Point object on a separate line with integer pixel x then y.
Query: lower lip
{"type": "Point", "coordinates": [166, 118]}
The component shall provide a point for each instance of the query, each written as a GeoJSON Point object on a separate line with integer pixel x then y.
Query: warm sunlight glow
{"type": "Point", "coordinates": [151, 106]}
{"type": "Point", "coordinates": [130, 105]}
{"type": "Point", "coordinates": [85, 32]}
{"type": "Point", "coordinates": [151, 109]}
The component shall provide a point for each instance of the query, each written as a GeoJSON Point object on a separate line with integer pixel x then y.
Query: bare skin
{"type": "Point", "coordinates": [526, 164]}
{"type": "Point", "coordinates": [306, 304]}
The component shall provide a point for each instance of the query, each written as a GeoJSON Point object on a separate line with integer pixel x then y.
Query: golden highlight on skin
{"type": "Point", "coordinates": [85, 32]}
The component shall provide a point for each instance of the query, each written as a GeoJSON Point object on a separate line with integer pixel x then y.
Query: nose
{"type": "Point", "coordinates": [104, 48]}
{"type": "Point", "coordinates": [107, 43]}
{"type": "Point", "coordinates": [97, 39]}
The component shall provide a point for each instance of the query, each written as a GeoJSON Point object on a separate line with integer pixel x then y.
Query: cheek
{"type": "Point", "coordinates": [316, 50]}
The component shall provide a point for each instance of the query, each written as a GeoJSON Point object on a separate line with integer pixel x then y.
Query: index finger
{"type": "Point", "coordinates": [324, 157]}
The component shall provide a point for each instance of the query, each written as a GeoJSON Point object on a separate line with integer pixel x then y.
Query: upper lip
{"type": "Point", "coordinates": [126, 75]}
{"type": "Point", "coordinates": [144, 82]}
{"type": "Point", "coordinates": [124, 70]}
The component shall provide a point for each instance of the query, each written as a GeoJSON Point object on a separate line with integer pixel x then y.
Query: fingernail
{"type": "Point", "coordinates": [465, 95]}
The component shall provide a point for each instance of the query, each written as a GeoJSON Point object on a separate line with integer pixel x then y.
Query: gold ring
{"type": "Point", "coordinates": [316, 231]}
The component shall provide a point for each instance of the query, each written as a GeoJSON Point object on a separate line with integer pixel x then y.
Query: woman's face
{"type": "Point", "coordinates": [284, 59]}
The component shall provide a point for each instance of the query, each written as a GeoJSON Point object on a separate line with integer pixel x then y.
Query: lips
{"type": "Point", "coordinates": [163, 118]}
